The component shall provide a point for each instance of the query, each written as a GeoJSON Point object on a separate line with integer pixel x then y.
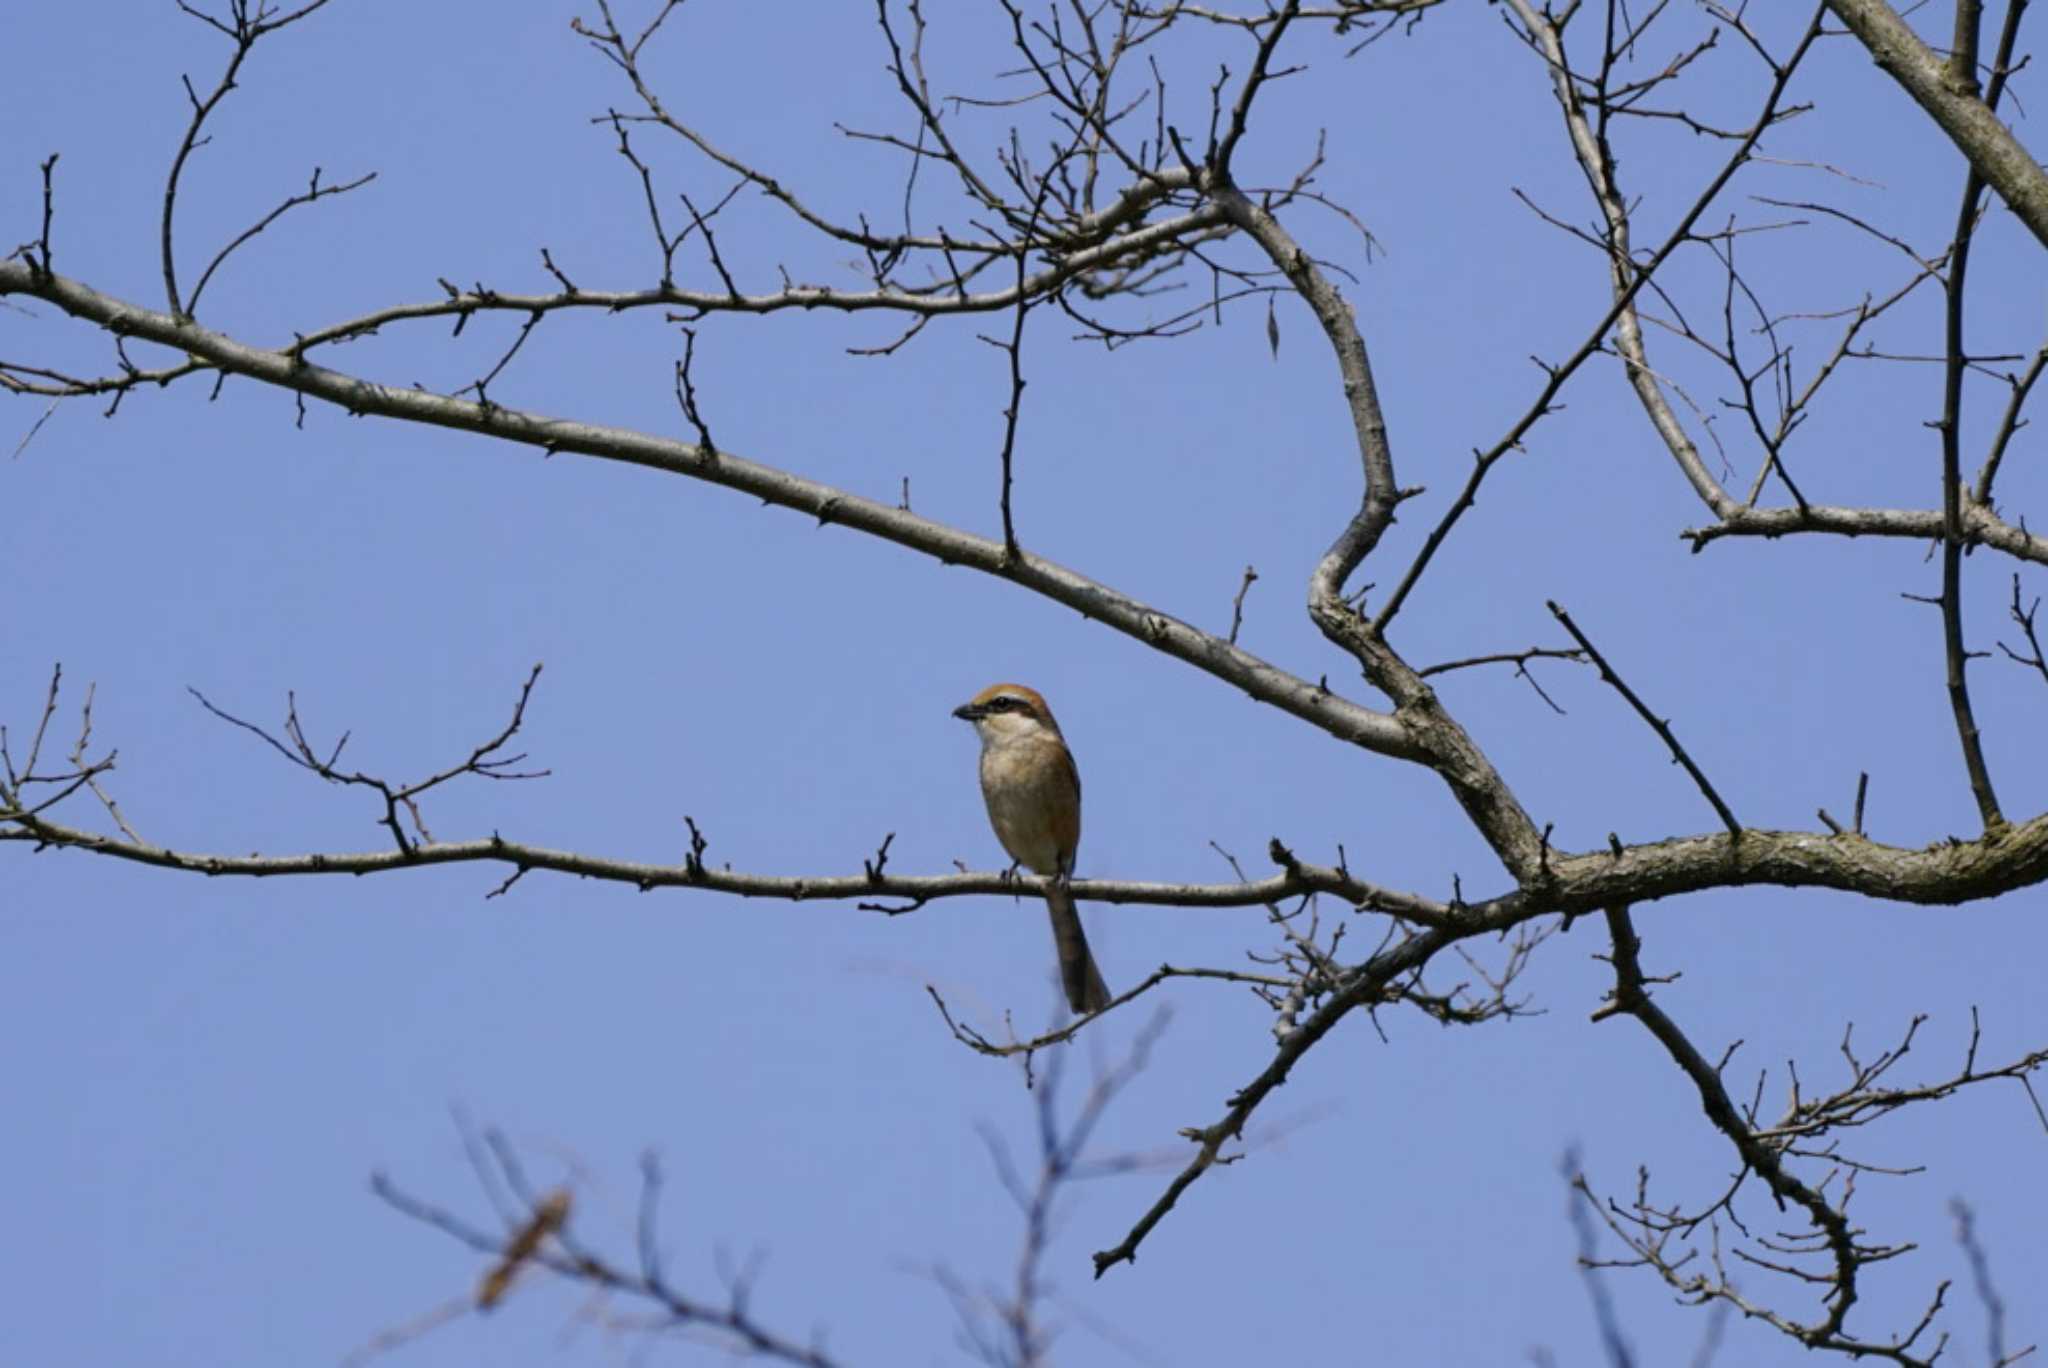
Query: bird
{"type": "Point", "coordinates": [1033, 794]}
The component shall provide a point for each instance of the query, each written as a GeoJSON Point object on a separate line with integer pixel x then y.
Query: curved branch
{"type": "Point", "coordinates": [1361, 394]}
{"type": "Point", "coordinates": [314, 191]}
{"type": "Point", "coordinates": [1367, 982]}
{"type": "Point", "coordinates": [244, 32]}
{"type": "Point", "coordinates": [1314, 703]}
{"type": "Point", "coordinates": [1449, 750]}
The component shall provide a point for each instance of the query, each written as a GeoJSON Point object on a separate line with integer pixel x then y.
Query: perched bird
{"type": "Point", "coordinates": [1033, 793]}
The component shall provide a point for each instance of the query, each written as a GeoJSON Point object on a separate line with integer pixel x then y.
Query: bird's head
{"type": "Point", "coordinates": [1008, 712]}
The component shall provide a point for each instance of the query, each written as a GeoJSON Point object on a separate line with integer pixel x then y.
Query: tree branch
{"type": "Point", "coordinates": [1969, 122]}
{"type": "Point", "coordinates": [290, 370]}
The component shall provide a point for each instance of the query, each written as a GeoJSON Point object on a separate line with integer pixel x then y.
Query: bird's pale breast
{"type": "Point", "coordinates": [1034, 802]}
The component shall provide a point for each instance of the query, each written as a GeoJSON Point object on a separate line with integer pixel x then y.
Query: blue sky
{"type": "Point", "coordinates": [205, 1073]}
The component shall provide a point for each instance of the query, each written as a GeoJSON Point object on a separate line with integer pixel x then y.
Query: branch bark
{"type": "Point", "coordinates": [1997, 155]}
{"type": "Point", "coordinates": [288, 369]}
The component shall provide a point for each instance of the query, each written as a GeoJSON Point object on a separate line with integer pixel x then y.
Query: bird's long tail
{"type": "Point", "coordinates": [1086, 991]}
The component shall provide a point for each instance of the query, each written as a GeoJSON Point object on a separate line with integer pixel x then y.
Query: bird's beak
{"type": "Point", "coordinates": [969, 712]}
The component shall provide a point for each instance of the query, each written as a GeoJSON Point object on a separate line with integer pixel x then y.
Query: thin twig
{"type": "Point", "coordinates": [1657, 724]}
{"type": "Point", "coordinates": [1237, 604]}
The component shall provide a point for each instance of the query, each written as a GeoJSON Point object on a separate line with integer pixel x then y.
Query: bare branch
{"type": "Point", "coordinates": [287, 369]}
{"type": "Point", "coordinates": [1365, 985]}
{"type": "Point", "coordinates": [244, 29]}
{"type": "Point", "coordinates": [1843, 1247]}
{"type": "Point", "coordinates": [1657, 724]}
{"type": "Point", "coordinates": [314, 191]}
{"type": "Point", "coordinates": [1977, 132]}
{"type": "Point", "coordinates": [1237, 604]}
{"type": "Point", "coordinates": [553, 1247]}
{"type": "Point", "coordinates": [400, 799]}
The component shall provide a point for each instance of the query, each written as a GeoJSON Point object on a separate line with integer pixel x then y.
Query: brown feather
{"type": "Point", "coordinates": [1086, 992]}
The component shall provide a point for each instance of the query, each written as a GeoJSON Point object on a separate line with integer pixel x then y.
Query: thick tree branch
{"type": "Point", "coordinates": [1946, 873]}
{"type": "Point", "coordinates": [1981, 526]}
{"type": "Point", "coordinates": [1970, 123]}
{"type": "Point", "coordinates": [1478, 787]}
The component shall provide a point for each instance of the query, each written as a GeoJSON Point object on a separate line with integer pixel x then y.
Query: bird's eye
{"type": "Point", "coordinates": [1001, 703]}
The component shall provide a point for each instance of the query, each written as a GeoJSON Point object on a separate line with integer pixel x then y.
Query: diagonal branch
{"type": "Point", "coordinates": [1657, 724]}
{"type": "Point", "coordinates": [1631, 998]}
{"type": "Point", "coordinates": [1367, 982]}
{"type": "Point", "coordinates": [288, 369]}
{"type": "Point", "coordinates": [2022, 386]}
{"type": "Point", "coordinates": [314, 191]}
{"type": "Point", "coordinates": [2006, 166]}
{"type": "Point", "coordinates": [1629, 279]}
{"type": "Point", "coordinates": [1240, 113]}
{"type": "Point", "coordinates": [1545, 33]}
